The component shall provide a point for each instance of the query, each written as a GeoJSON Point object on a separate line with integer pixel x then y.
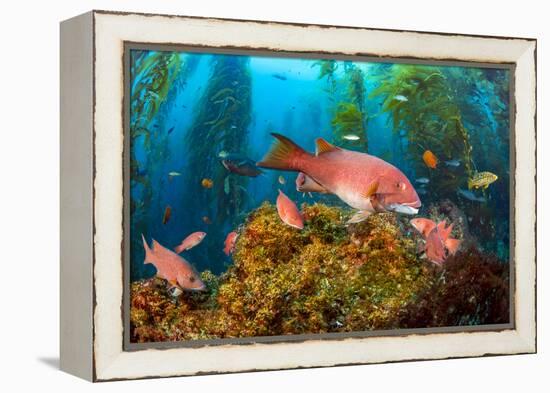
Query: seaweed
{"type": "Point", "coordinates": [471, 290]}
{"type": "Point", "coordinates": [326, 278]}
{"type": "Point", "coordinates": [422, 106]}
{"type": "Point", "coordinates": [220, 124]}
{"type": "Point", "coordinates": [348, 119]}
{"type": "Point", "coordinates": [327, 68]}
{"type": "Point", "coordinates": [155, 78]}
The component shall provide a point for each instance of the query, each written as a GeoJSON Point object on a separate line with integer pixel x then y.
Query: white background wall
{"type": "Point", "coordinates": [29, 181]}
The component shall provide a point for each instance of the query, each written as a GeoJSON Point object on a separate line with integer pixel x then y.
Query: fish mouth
{"type": "Point", "coordinates": [405, 208]}
{"type": "Point", "coordinates": [198, 289]}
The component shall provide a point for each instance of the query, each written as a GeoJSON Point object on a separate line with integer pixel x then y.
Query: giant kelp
{"type": "Point", "coordinates": [151, 76]}
{"type": "Point", "coordinates": [326, 278]}
{"type": "Point", "coordinates": [425, 108]}
{"type": "Point", "coordinates": [484, 100]}
{"type": "Point", "coordinates": [421, 104]}
{"type": "Point", "coordinates": [348, 94]}
{"type": "Point", "coordinates": [347, 120]}
{"type": "Point", "coordinates": [155, 78]}
{"type": "Point", "coordinates": [355, 103]}
{"type": "Point", "coordinates": [220, 125]}
{"type": "Point", "coordinates": [447, 110]}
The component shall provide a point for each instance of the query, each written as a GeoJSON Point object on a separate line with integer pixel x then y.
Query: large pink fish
{"type": "Point", "coordinates": [172, 267]}
{"type": "Point", "coordinates": [305, 183]}
{"type": "Point", "coordinates": [366, 183]}
{"type": "Point", "coordinates": [190, 241]}
{"type": "Point", "coordinates": [438, 245]}
{"type": "Point", "coordinates": [288, 211]}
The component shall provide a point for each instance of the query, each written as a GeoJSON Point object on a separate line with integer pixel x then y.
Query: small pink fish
{"type": "Point", "coordinates": [438, 245]}
{"type": "Point", "coordinates": [288, 211]}
{"type": "Point", "coordinates": [190, 241]}
{"type": "Point", "coordinates": [172, 267]}
{"type": "Point", "coordinates": [230, 242]}
{"type": "Point", "coordinates": [423, 225]}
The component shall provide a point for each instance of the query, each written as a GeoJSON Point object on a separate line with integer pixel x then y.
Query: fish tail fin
{"type": "Point", "coordinates": [178, 249]}
{"type": "Point", "coordinates": [452, 245]}
{"type": "Point", "coordinates": [283, 155]}
{"type": "Point", "coordinates": [148, 252]}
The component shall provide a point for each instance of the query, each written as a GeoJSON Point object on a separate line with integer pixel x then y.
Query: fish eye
{"type": "Point", "coordinates": [401, 185]}
{"type": "Point", "coordinates": [192, 278]}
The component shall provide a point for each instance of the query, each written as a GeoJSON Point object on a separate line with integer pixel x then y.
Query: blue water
{"type": "Point", "coordinates": [286, 95]}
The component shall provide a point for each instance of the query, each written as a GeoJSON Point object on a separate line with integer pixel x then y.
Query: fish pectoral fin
{"type": "Point", "coordinates": [322, 146]}
{"type": "Point", "coordinates": [358, 217]}
{"type": "Point", "coordinates": [371, 190]}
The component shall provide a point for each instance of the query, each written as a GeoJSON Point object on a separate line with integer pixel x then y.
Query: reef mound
{"type": "Point", "coordinates": [328, 277]}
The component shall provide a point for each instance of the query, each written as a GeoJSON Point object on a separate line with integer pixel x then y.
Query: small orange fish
{"type": "Point", "coordinates": [167, 214]}
{"type": "Point", "coordinates": [230, 242]}
{"type": "Point", "coordinates": [206, 220]}
{"type": "Point", "coordinates": [207, 183]}
{"type": "Point", "coordinates": [288, 212]}
{"type": "Point", "coordinates": [430, 159]}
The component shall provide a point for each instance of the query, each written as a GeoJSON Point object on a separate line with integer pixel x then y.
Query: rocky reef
{"type": "Point", "coordinates": [328, 277]}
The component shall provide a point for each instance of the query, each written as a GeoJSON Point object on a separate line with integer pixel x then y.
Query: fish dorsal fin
{"type": "Point", "coordinates": [322, 146]}
{"type": "Point", "coordinates": [157, 246]}
{"type": "Point", "coordinates": [442, 231]}
{"type": "Point", "coordinates": [159, 249]}
{"type": "Point", "coordinates": [447, 232]}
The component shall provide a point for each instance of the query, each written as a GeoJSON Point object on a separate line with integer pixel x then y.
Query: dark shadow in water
{"type": "Point", "coordinates": [52, 362]}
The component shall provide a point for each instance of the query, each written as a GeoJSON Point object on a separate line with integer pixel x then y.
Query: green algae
{"type": "Point", "coordinates": [428, 114]}
{"type": "Point", "coordinates": [329, 277]}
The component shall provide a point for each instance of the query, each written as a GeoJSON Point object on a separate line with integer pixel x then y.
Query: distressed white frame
{"type": "Point", "coordinates": [111, 30]}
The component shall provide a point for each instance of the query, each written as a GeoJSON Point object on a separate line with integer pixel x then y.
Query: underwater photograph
{"type": "Point", "coordinates": [276, 196]}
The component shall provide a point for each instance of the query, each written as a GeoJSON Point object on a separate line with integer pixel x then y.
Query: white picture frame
{"type": "Point", "coordinates": [92, 195]}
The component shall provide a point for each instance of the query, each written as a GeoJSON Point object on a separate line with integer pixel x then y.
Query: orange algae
{"type": "Point", "coordinates": [327, 277]}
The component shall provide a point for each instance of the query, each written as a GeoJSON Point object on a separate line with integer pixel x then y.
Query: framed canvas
{"type": "Point", "coordinates": [245, 195]}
